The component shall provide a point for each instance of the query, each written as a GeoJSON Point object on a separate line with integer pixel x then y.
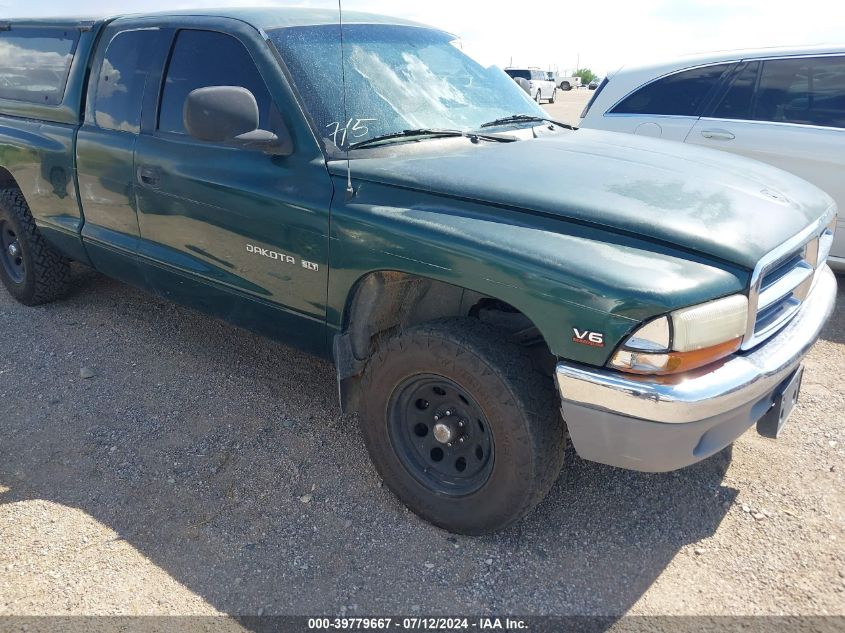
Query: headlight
{"type": "Point", "coordinates": [826, 241]}
{"type": "Point", "coordinates": [685, 339]}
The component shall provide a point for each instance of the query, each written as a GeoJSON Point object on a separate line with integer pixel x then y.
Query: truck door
{"type": "Point", "coordinates": [106, 143]}
{"type": "Point", "coordinates": [234, 231]}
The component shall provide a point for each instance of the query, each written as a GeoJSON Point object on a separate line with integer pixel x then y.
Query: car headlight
{"type": "Point", "coordinates": [685, 339]}
{"type": "Point", "coordinates": [826, 241]}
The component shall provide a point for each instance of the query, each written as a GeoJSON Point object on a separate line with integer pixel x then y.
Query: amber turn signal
{"type": "Point", "coordinates": [672, 362]}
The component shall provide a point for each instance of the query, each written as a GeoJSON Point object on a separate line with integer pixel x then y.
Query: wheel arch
{"type": "Point", "coordinates": [383, 302]}
{"type": "Point", "coordinates": [7, 179]}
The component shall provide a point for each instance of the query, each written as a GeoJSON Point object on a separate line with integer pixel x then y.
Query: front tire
{"type": "Point", "coordinates": [461, 426]}
{"type": "Point", "coordinates": [31, 269]}
{"type": "Point", "coordinates": [554, 96]}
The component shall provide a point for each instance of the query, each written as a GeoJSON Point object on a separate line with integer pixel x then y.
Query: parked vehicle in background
{"type": "Point", "coordinates": [476, 324]}
{"type": "Point", "coordinates": [535, 82]}
{"type": "Point", "coordinates": [594, 84]}
{"type": "Point", "coordinates": [782, 106]}
{"type": "Point", "coordinates": [567, 82]}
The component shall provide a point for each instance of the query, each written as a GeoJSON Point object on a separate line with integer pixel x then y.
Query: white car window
{"type": "Point", "coordinates": [809, 91]}
{"type": "Point", "coordinates": [739, 99]}
{"type": "Point", "coordinates": [680, 94]}
{"type": "Point", "coordinates": [519, 74]}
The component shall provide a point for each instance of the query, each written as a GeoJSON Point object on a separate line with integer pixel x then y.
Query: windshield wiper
{"type": "Point", "coordinates": [424, 133]}
{"type": "Point", "coordinates": [527, 118]}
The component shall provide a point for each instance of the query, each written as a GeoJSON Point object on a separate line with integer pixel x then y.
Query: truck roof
{"type": "Point", "coordinates": [265, 18]}
{"type": "Point", "coordinates": [69, 22]}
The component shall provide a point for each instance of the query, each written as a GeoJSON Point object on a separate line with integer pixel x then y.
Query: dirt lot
{"type": "Point", "coordinates": [201, 469]}
{"type": "Point", "coordinates": [569, 104]}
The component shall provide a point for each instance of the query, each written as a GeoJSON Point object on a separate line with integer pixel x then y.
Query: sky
{"type": "Point", "coordinates": [603, 36]}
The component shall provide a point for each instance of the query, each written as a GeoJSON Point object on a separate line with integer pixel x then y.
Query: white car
{"type": "Point", "coordinates": [535, 82]}
{"type": "Point", "coordinates": [785, 107]}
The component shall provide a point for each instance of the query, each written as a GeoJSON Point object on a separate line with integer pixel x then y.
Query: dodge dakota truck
{"type": "Point", "coordinates": [357, 189]}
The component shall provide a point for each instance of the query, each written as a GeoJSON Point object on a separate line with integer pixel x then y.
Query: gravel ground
{"type": "Point", "coordinates": [568, 106]}
{"type": "Point", "coordinates": [203, 470]}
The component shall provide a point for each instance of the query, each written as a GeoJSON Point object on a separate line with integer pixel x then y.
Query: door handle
{"type": "Point", "coordinates": [718, 135]}
{"type": "Point", "coordinates": [150, 176]}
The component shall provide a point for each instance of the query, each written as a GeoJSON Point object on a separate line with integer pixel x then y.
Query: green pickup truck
{"type": "Point", "coordinates": [489, 283]}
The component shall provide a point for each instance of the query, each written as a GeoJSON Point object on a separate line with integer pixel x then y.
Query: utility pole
{"type": "Point", "coordinates": [578, 63]}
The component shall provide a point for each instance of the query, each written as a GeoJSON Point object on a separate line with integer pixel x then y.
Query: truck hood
{"type": "Point", "coordinates": [710, 202]}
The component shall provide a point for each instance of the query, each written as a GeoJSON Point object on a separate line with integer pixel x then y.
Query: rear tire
{"type": "Point", "coordinates": [484, 390]}
{"type": "Point", "coordinates": [566, 86]}
{"type": "Point", "coordinates": [31, 269]}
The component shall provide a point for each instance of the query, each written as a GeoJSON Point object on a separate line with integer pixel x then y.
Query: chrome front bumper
{"type": "Point", "coordinates": [605, 409]}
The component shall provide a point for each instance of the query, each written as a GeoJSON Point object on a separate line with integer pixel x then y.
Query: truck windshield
{"type": "Point", "coordinates": [397, 78]}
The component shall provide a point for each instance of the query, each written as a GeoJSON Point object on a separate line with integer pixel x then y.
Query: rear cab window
{"type": "Point", "coordinates": [35, 62]}
{"type": "Point", "coordinates": [682, 93]}
{"type": "Point", "coordinates": [119, 89]}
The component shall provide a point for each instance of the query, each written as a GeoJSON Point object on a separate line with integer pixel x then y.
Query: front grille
{"type": "Point", "coordinates": [782, 281]}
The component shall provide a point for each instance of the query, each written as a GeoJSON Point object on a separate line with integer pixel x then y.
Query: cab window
{"type": "Point", "coordinates": [34, 63]}
{"type": "Point", "coordinates": [681, 94]}
{"type": "Point", "coordinates": [208, 58]}
{"type": "Point", "coordinates": [120, 83]}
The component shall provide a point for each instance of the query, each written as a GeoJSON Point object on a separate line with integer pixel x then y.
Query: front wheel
{"type": "Point", "coordinates": [554, 96]}
{"type": "Point", "coordinates": [461, 426]}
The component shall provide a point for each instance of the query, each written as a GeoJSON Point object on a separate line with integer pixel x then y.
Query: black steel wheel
{"type": "Point", "coordinates": [460, 424]}
{"type": "Point", "coordinates": [11, 256]}
{"type": "Point", "coordinates": [441, 435]}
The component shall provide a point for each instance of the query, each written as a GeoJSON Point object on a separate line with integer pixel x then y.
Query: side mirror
{"type": "Point", "coordinates": [220, 113]}
{"type": "Point", "coordinates": [229, 114]}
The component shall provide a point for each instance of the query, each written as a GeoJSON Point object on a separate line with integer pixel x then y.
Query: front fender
{"type": "Point", "coordinates": [561, 275]}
